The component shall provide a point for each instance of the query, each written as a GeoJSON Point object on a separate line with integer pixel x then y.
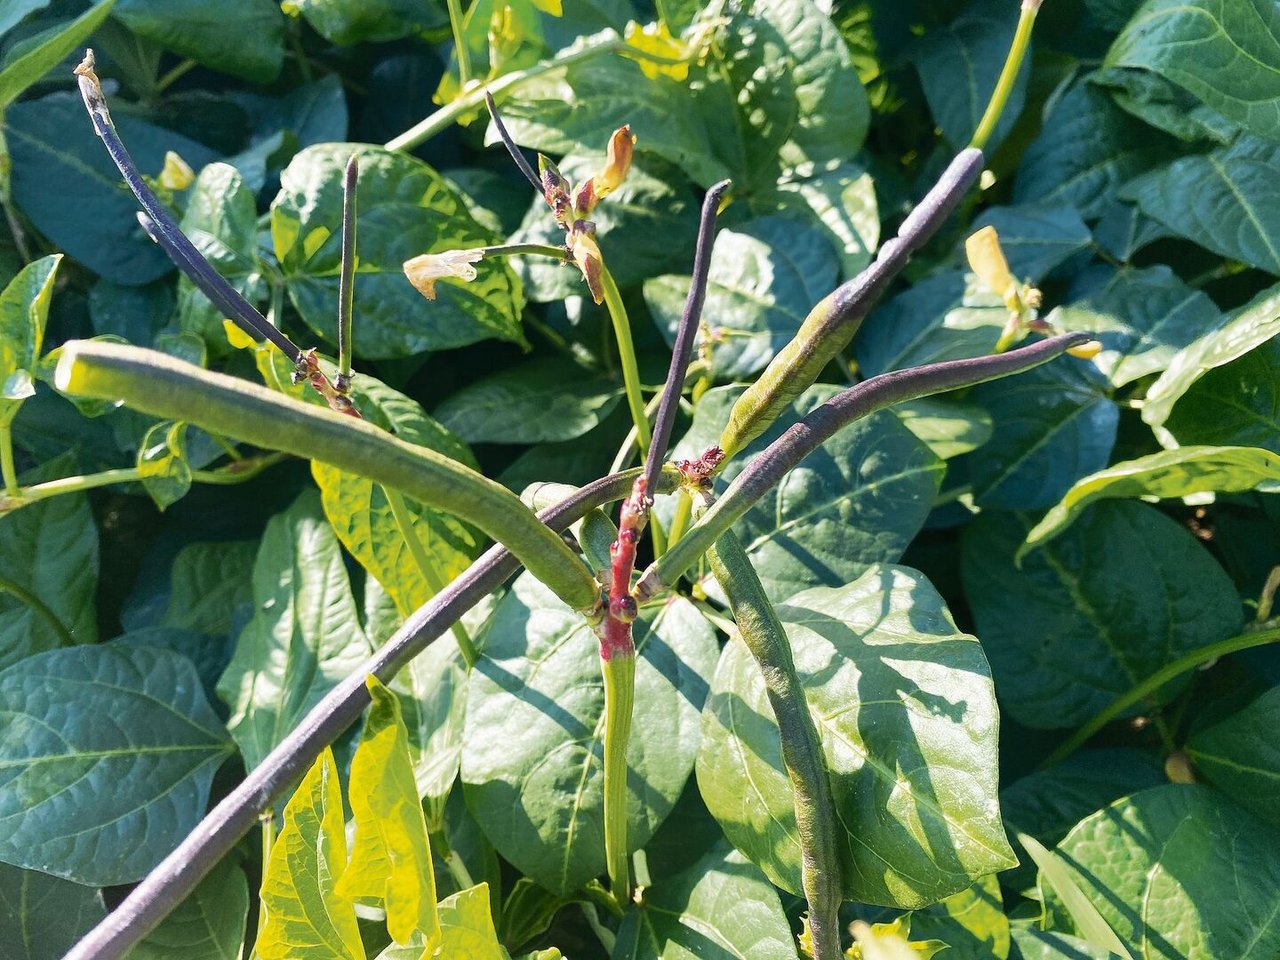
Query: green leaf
{"type": "Point", "coordinates": [49, 50]}
{"type": "Point", "coordinates": [856, 503]}
{"type": "Point", "coordinates": [1031, 943]}
{"type": "Point", "coordinates": [1047, 803]}
{"type": "Point", "coordinates": [1120, 594]}
{"type": "Point", "coordinates": [24, 309]}
{"type": "Point", "coordinates": [1036, 239]}
{"type": "Point", "coordinates": [102, 803]}
{"type": "Point", "coordinates": [391, 856]}
{"type": "Point", "coordinates": [972, 923]}
{"type": "Point", "coordinates": [1167, 107]}
{"type": "Point", "coordinates": [1225, 52]}
{"type": "Point", "coordinates": [645, 227]}
{"type": "Point", "coordinates": [532, 759]}
{"type": "Point", "coordinates": [1166, 475]}
{"type": "Point", "coordinates": [1240, 756]}
{"type": "Point", "coordinates": [49, 553]}
{"type": "Point", "coordinates": [1180, 873]}
{"type": "Point", "coordinates": [135, 314]}
{"type": "Point", "coordinates": [244, 38]}
{"type": "Point", "coordinates": [1226, 201]}
{"type": "Point", "coordinates": [405, 209]}
{"type": "Point", "coordinates": [578, 106]}
{"type": "Point", "coordinates": [1086, 150]}
{"type": "Point", "coordinates": [946, 427]}
{"type": "Point", "coordinates": [841, 201]}
{"type": "Point", "coordinates": [345, 22]}
{"type": "Point", "coordinates": [1233, 405]}
{"type": "Point", "coordinates": [222, 221]}
{"type": "Point", "coordinates": [765, 277]}
{"type": "Point", "coordinates": [832, 113]}
{"type": "Point", "coordinates": [42, 917]}
{"type": "Point", "coordinates": [362, 518]}
{"type": "Point", "coordinates": [65, 182]}
{"type": "Point", "coordinates": [1142, 318]}
{"type": "Point", "coordinates": [304, 636]}
{"type": "Point", "coordinates": [17, 11]}
{"type": "Point", "coordinates": [466, 923]}
{"type": "Point", "coordinates": [208, 589]}
{"type": "Point", "coordinates": [959, 65]}
{"type": "Point", "coordinates": [1056, 424]}
{"type": "Point", "coordinates": [537, 401]}
{"type": "Point", "coordinates": [904, 707]}
{"type": "Point", "coordinates": [721, 908]}
{"type": "Point", "coordinates": [1250, 326]}
{"type": "Point", "coordinates": [162, 460]}
{"type": "Point", "coordinates": [1056, 880]}
{"type": "Point", "coordinates": [305, 915]}
{"type": "Point", "coordinates": [208, 925]}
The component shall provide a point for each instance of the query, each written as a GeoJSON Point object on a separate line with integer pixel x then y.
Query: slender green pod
{"type": "Point", "coordinates": [832, 323]}
{"type": "Point", "coordinates": [801, 749]}
{"type": "Point", "coordinates": [805, 436]}
{"type": "Point", "coordinates": [619, 674]}
{"type": "Point", "coordinates": [162, 386]}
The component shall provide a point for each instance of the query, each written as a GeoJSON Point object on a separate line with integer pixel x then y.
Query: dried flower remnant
{"type": "Point", "coordinates": [424, 270]}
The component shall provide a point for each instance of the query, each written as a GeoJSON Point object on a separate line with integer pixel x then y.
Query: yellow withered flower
{"type": "Point", "coordinates": [423, 271]}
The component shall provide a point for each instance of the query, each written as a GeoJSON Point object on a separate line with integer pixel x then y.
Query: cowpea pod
{"type": "Point", "coordinates": [832, 323]}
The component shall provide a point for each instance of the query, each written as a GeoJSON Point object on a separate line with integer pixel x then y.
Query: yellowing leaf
{"type": "Point", "coordinates": [553, 7]}
{"type": "Point", "coordinates": [237, 337]}
{"type": "Point", "coordinates": [656, 39]}
{"type": "Point", "coordinates": [305, 915]}
{"type": "Point", "coordinates": [467, 927]}
{"type": "Point", "coordinates": [391, 861]}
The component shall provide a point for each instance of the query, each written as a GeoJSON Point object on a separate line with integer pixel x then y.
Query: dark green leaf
{"type": "Point", "coordinates": [1036, 239]}
{"type": "Point", "coordinates": [405, 209]}
{"type": "Point", "coordinates": [49, 552]}
{"type": "Point", "coordinates": [41, 917]}
{"type": "Point", "coordinates": [1167, 107]}
{"type": "Point", "coordinates": [1141, 318]}
{"type": "Point", "coordinates": [1245, 329]}
{"type": "Point", "coordinates": [904, 706]}
{"type": "Point", "coordinates": [1225, 52]}
{"type": "Point", "coordinates": [208, 589]}
{"type": "Point", "coordinates": [102, 803]}
{"type": "Point", "coordinates": [17, 10]}
{"type": "Point", "coordinates": [1226, 200]}
{"type": "Point", "coordinates": [353, 21]}
{"type": "Point", "coordinates": [304, 636]}
{"type": "Point", "coordinates": [1237, 404]}
{"type": "Point", "coordinates": [208, 925]}
{"type": "Point", "coordinates": [532, 759]}
{"type": "Point", "coordinates": [972, 923]}
{"type": "Point", "coordinates": [1120, 594]}
{"type": "Point", "coordinates": [65, 182]}
{"type": "Point", "coordinates": [1087, 149]}
{"type": "Point", "coordinates": [539, 400]}
{"type": "Point", "coordinates": [946, 427]}
{"type": "Point", "coordinates": [1240, 754]}
{"type": "Point", "coordinates": [48, 52]}
{"type": "Point", "coordinates": [242, 37]}
{"type": "Point", "coordinates": [1031, 943]}
{"type": "Point", "coordinates": [959, 65]}
{"type": "Point", "coordinates": [857, 502]}
{"type": "Point", "coordinates": [1056, 424]}
{"type": "Point", "coordinates": [134, 313]}
{"type": "Point", "coordinates": [765, 277]}
{"type": "Point", "coordinates": [1180, 874]}
{"type": "Point", "coordinates": [721, 908]}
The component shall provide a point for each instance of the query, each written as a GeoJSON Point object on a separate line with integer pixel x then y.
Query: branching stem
{"type": "Point", "coordinates": [7, 468]}
{"type": "Point", "coordinates": [1008, 74]}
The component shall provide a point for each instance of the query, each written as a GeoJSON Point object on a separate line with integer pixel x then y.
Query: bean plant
{"type": "Point", "coordinates": [930, 374]}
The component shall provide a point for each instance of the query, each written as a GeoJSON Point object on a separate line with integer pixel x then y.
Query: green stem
{"type": "Point", "coordinates": [517, 249]}
{"type": "Point", "coordinates": [460, 49]}
{"type": "Point", "coordinates": [680, 522]}
{"type": "Point", "coordinates": [237, 472]}
{"type": "Point", "coordinates": [7, 468]}
{"type": "Point", "coordinates": [627, 357]}
{"type": "Point", "coordinates": [440, 120]}
{"type": "Point", "coordinates": [619, 695]}
{"type": "Point", "coordinates": [24, 595]}
{"type": "Point", "coordinates": [404, 521]}
{"type": "Point", "coordinates": [165, 387]}
{"type": "Point", "coordinates": [816, 822]}
{"type": "Point", "coordinates": [1145, 688]}
{"type": "Point", "coordinates": [1008, 75]}
{"type": "Point", "coordinates": [347, 274]}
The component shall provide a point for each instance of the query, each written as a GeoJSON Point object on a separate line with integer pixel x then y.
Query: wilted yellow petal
{"type": "Point", "coordinates": [986, 259]}
{"type": "Point", "coordinates": [176, 174]}
{"type": "Point", "coordinates": [423, 271]}
{"type": "Point", "coordinates": [237, 337]}
{"type": "Point", "coordinates": [617, 163]}
{"type": "Point", "coordinates": [1086, 351]}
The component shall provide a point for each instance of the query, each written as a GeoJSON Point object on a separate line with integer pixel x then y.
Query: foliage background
{"type": "Point", "coordinates": [1132, 179]}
